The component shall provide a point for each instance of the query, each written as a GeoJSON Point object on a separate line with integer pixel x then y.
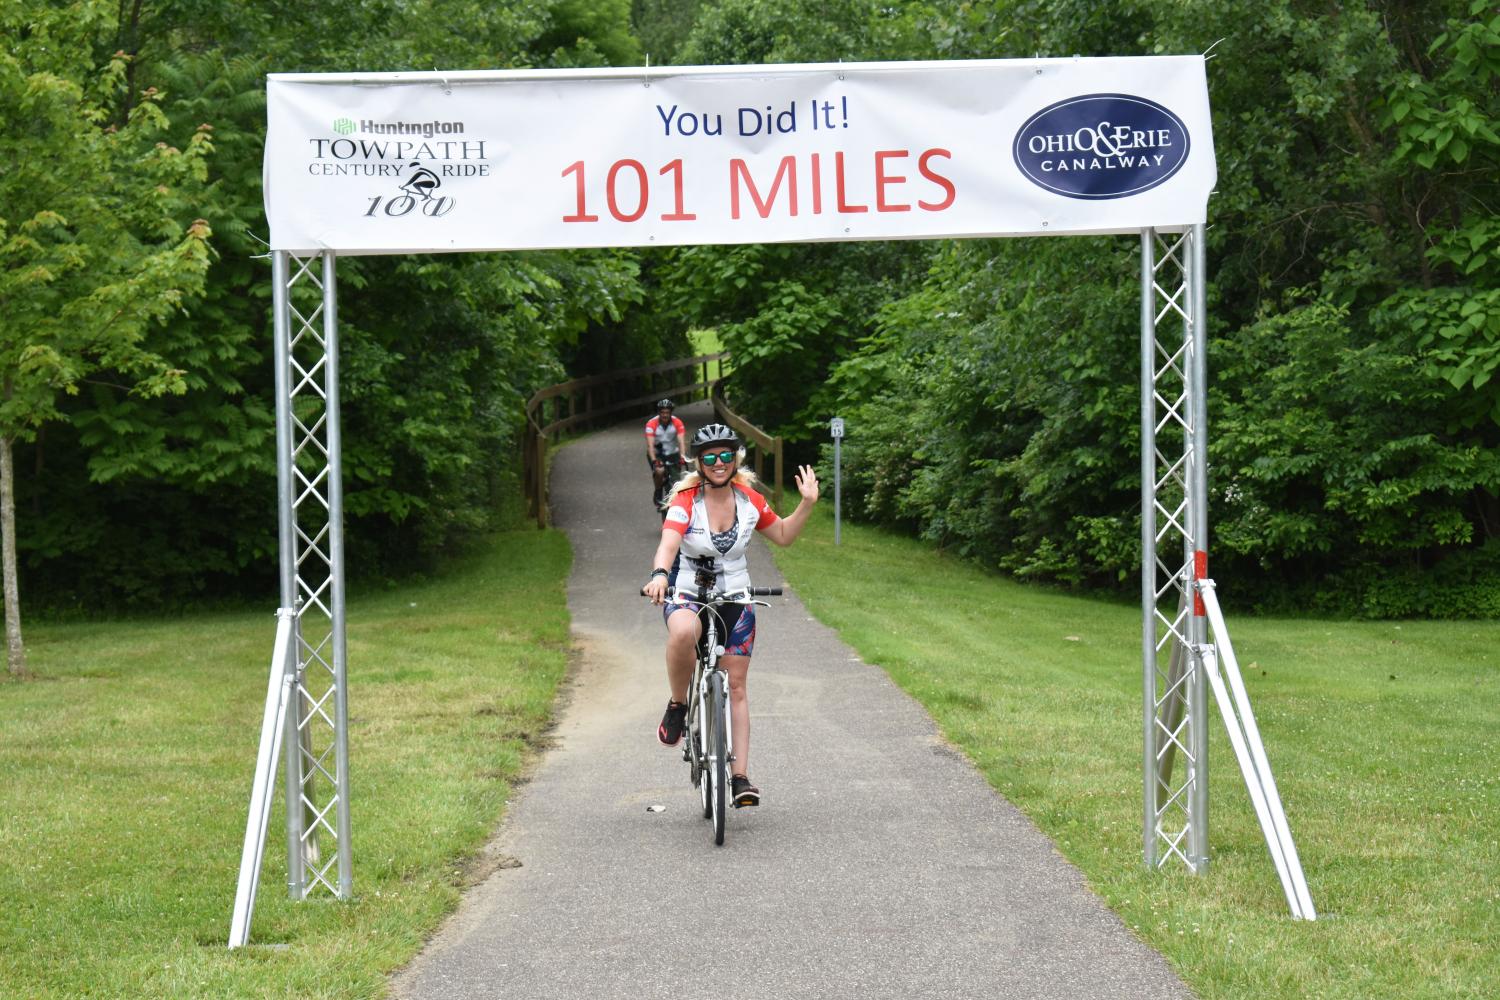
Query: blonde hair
{"type": "Point", "coordinates": [692, 478]}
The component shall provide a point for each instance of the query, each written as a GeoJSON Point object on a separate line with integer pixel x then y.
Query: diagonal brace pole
{"type": "Point", "coordinates": [279, 692]}
{"type": "Point", "coordinates": [1244, 737]}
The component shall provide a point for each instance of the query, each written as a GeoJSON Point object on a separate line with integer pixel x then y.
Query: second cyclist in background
{"type": "Point", "coordinates": [666, 440]}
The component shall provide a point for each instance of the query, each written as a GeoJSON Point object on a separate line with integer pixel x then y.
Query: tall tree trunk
{"type": "Point", "coordinates": [15, 650]}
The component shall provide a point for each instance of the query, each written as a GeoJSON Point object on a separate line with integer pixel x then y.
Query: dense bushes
{"type": "Point", "coordinates": [1354, 325]}
{"type": "Point", "coordinates": [134, 501]}
{"type": "Point", "coordinates": [991, 387]}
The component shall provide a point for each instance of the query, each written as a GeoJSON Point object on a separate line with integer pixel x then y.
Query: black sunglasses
{"type": "Point", "coordinates": [714, 458]}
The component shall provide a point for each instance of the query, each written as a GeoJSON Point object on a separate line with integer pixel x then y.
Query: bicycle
{"type": "Point", "coordinates": [671, 470]}
{"type": "Point", "coordinates": [707, 745]}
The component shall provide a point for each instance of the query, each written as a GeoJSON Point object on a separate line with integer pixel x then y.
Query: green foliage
{"type": "Point", "coordinates": [590, 33]}
{"type": "Point", "coordinates": [786, 313]}
{"type": "Point", "coordinates": [990, 387]}
{"type": "Point", "coordinates": [1355, 324]}
{"type": "Point", "coordinates": [99, 247]}
{"type": "Point", "coordinates": [999, 425]}
{"type": "Point", "coordinates": [789, 312]}
{"type": "Point", "coordinates": [1331, 454]}
{"type": "Point", "coordinates": [1446, 122]}
{"type": "Point", "coordinates": [87, 270]}
{"type": "Point", "coordinates": [738, 32]}
{"type": "Point", "coordinates": [137, 500]}
{"type": "Point", "coordinates": [662, 26]}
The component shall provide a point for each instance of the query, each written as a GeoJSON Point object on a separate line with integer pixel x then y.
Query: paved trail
{"type": "Point", "coordinates": [880, 864]}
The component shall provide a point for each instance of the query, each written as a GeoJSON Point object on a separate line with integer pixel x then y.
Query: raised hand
{"type": "Point", "coordinates": [807, 483]}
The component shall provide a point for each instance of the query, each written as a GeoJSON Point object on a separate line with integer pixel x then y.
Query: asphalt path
{"type": "Point", "coordinates": [880, 864]}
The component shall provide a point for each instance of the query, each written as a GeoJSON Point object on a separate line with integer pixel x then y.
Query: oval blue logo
{"type": "Point", "coordinates": [1101, 146]}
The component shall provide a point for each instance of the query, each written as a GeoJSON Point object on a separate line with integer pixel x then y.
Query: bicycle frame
{"type": "Point", "coordinates": [709, 748]}
{"type": "Point", "coordinates": [706, 663]}
{"type": "Point", "coordinates": [670, 472]}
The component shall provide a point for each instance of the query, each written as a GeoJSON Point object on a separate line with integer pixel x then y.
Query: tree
{"type": "Point", "coordinates": [94, 249]}
{"type": "Point", "coordinates": [788, 312]}
{"type": "Point", "coordinates": [134, 501]}
{"type": "Point", "coordinates": [1354, 330]}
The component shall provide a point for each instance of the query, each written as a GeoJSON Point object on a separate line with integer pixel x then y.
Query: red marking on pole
{"type": "Point", "coordinates": [1200, 572]}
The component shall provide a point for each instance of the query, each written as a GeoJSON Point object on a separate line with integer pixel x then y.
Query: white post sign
{"type": "Point", "coordinates": [407, 162]}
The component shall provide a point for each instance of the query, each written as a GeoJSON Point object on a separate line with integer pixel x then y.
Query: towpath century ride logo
{"type": "Point", "coordinates": [1101, 146]}
{"type": "Point", "coordinates": [418, 166]}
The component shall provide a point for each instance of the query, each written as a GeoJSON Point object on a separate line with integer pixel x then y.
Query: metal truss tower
{"type": "Point", "coordinates": [1179, 603]}
{"type": "Point", "coordinates": [307, 712]}
{"type": "Point", "coordinates": [1174, 545]}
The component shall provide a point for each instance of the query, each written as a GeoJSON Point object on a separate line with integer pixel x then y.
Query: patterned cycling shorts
{"type": "Point", "coordinates": [741, 626]}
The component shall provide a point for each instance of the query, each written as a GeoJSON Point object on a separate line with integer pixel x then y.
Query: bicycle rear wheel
{"type": "Point", "coordinates": [718, 753]}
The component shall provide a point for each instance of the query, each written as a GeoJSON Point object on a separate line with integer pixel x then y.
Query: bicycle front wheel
{"type": "Point", "coordinates": [718, 752]}
{"type": "Point", "coordinates": [699, 770]}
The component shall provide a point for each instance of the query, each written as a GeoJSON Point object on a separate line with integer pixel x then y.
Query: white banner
{"type": "Point", "coordinates": [393, 163]}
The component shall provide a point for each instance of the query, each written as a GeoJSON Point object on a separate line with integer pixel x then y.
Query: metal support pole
{"type": "Point", "coordinates": [1173, 522]}
{"type": "Point", "coordinates": [1196, 543]}
{"type": "Point", "coordinates": [836, 428]}
{"type": "Point", "coordinates": [838, 463]}
{"type": "Point", "coordinates": [321, 805]}
{"type": "Point", "coordinates": [1250, 751]}
{"type": "Point", "coordinates": [339, 616]}
{"type": "Point", "coordinates": [286, 510]}
{"type": "Point", "coordinates": [1148, 546]}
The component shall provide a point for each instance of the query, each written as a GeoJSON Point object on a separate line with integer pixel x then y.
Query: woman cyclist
{"type": "Point", "coordinates": [711, 514]}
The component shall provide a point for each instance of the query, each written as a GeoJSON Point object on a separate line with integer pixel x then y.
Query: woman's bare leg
{"type": "Point", "coordinates": [682, 641]}
{"type": "Point", "coordinates": [738, 668]}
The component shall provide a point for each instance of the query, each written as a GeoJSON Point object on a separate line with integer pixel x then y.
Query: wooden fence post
{"type": "Point", "coordinates": [778, 471]}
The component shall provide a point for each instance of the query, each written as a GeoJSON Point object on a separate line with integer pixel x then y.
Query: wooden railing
{"type": "Point", "coordinates": [585, 401]}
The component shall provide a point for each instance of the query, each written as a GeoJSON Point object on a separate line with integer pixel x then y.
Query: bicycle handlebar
{"type": "Point", "coordinates": [752, 592]}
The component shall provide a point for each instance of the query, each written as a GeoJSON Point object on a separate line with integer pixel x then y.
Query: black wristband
{"type": "Point", "coordinates": [659, 572]}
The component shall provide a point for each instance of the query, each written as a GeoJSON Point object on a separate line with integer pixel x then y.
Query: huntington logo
{"type": "Point", "coordinates": [344, 126]}
{"type": "Point", "coordinates": [1101, 146]}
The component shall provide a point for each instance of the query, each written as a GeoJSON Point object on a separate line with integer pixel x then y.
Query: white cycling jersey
{"type": "Point", "coordinates": [722, 553]}
{"type": "Point", "coordinates": [664, 435]}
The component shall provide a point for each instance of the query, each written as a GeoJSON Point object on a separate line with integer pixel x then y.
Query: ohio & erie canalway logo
{"type": "Point", "coordinates": [1101, 146]}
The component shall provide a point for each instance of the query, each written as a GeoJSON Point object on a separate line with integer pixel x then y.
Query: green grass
{"type": "Point", "coordinates": [1384, 739]}
{"type": "Point", "coordinates": [705, 341]}
{"type": "Point", "coordinates": [128, 763]}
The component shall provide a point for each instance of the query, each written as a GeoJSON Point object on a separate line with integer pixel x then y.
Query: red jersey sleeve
{"type": "Point", "coordinates": [651, 427]}
{"type": "Point", "coordinates": [765, 515]}
{"type": "Point", "coordinates": [678, 426]}
{"type": "Point", "coordinates": [680, 512]}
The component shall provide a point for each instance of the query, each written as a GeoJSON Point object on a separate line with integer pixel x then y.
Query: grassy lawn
{"type": "Point", "coordinates": [128, 765]}
{"type": "Point", "coordinates": [1384, 738]}
{"type": "Point", "coordinates": [705, 341]}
